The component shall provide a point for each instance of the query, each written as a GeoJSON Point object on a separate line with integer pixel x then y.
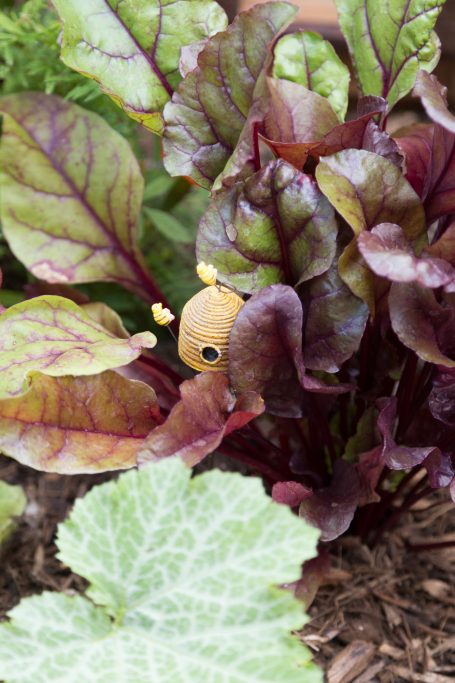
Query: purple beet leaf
{"type": "Point", "coordinates": [298, 126]}
{"type": "Point", "coordinates": [442, 396]}
{"type": "Point", "coordinates": [297, 114]}
{"type": "Point", "coordinates": [367, 189]}
{"type": "Point", "coordinates": [444, 247]}
{"type": "Point", "coordinates": [290, 493]}
{"type": "Point", "coordinates": [332, 508]}
{"type": "Point", "coordinates": [422, 323]}
{"type": "Point", "coordinates": [397, 457]}
{"type": "Point", "coordinates": [207, 412]}
{"type": "Point", "coordinates": [429, 152]}
{"type": "Point", "coordinates": [389, 254]}
{"type": "Point", "coordinates": [335, 322]}
{"type": "Point", "coordinates": [265, 352]}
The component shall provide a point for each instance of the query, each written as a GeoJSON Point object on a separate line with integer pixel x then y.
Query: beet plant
{"type": "Point", "coordinates": [338, 381]}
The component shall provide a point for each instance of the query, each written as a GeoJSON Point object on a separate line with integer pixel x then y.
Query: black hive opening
{"type": "Point", "coordinates": [210, 354]}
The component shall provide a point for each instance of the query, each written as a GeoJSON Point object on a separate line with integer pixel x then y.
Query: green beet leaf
{"type": "Point", "coordinates": [55, 336]}
{"type": "Point", "coordinates": [276, 227]}
{"type": "Point", "coordinates": [12, 504]}
{"type": "Point", "coordinates": [306, 58]}
{"type": "Point", "coordinates": [71, 194]}
{"type": "Point", "coordinates": [75, 425]}
{"type": "Point", "coordinates": [132, 48]}
{"type": "Point", "coordinates": [210, 111]}
{"type": "Point", "coordinates": [368, 189]}
{"type": "Point", "coordinates": [389, 42]}
{"type": "Point", "coordinates": [183, 577]}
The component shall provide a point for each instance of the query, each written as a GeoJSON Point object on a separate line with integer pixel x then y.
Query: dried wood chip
{"type": "Point", "coordinates": [350, 662]}
{"type": "Point", "coordinates": [391, 651]}
{"type": "Point", "coordinates": [370, 673]}
{"type": "Point", "coordinates": [414, 677]}
{"type": "Point", "coordinates": [438, 590]}
{"type": "Point", "coordinates": [393, 616]}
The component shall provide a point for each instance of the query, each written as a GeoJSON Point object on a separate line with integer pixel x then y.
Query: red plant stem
{"type": "Point", "coordinates": [257, 154]}
{"type": "Point", "coordinates": [265, 470]}
{"type": "Point", "coordinates": [364, 356]}
{"type": "Point", "coordinates": [158, 364]}
{"type": "Point", "coordinates": [415, 399]}
{"type": "Point", "coordinates": [406, 383]}
{"type": "Point", "coordinates": [259, 453]}
{"type": "Point", "coordinates": [395, 516]}
{"type": "Point", "coordinates": [375, 512]}
{"type": "Point", "coordinates": [256, 435]}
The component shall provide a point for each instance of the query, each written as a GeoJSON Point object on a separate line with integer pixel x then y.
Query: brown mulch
{"type": "Point", "coordinates": [387, 615]}
{"type": "Point", "coordinates": [384, 615]}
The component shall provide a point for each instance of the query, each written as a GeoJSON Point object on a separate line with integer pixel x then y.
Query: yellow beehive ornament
{"type": "Point", "coordinates": [206, 323]}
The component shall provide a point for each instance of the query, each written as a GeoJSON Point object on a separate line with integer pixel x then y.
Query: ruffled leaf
{"type": "Point", "coordinates": [181, 574]}
{"type": "Point", "coordinates": [444, 247]}
{"type": "Point", "coordinates": [71, 194]}
{"type": "Point", "coordinates": [390, 255]}
{"type": "Point", "coordinates": [306, 58]}
{"type": "Point", "coordinates": [434, 99]}
{"type": "Point", "coordinates": [397, 457]}
{"type": "Point", "coordinates": [210, 108]}
{"type": "Point", "coordinates": [71, 425]}
{"type": "Point", "coordinates": [367, 189]}
{"type": "Point", "coordinates": [276, 227]}
{"type": "Point", "coordinates": [55, 336]}
{"type": "Point", "coordinates": [207, 412]}
{"type": "Point", "coordinates": [389, 42]}
{"type": "Point", "coordinates": [132, 48]}
{"type": "Point", "coordinates": [421, 323]}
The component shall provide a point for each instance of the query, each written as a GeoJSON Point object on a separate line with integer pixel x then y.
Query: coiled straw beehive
{"type": "Point", "coordinates": [205, 326]}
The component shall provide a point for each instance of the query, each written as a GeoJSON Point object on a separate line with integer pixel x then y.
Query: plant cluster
{"type": "Point", "coordinates": [338, 235]}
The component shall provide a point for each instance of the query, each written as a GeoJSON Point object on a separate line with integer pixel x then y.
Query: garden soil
{"type": "Point", "coordinates": [382, 615]}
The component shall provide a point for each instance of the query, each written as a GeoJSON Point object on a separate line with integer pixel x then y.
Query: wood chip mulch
{"type": "Point", "coordinates": [383, 615]}
{"type": "Point", "coordinates": [387, 615]}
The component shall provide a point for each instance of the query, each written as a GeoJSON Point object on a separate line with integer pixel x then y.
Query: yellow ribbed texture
{"type": "Point", "coordinates": [207, 320]}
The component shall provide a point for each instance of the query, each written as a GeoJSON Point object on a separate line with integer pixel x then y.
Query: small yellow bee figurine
{"type": "Point", "coordinates": [206, 323]}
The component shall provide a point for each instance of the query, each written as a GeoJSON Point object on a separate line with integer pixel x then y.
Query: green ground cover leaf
{"type": "Point", "coordinates": [55, 336]}
{"type": "Point", "coordinates": [182, 587]}
{"type": "Point", "coordinates": [132, 47]}
{"type": "Point", "coordinates": [12, 504]}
